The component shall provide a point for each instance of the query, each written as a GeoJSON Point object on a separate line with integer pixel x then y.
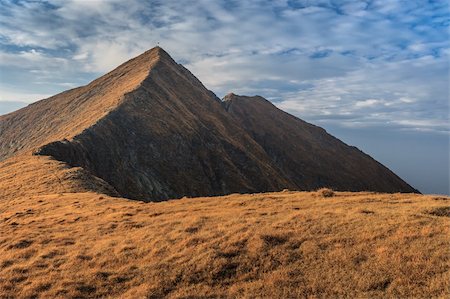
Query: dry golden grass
{"type": "Point", "coordinates": [32, 175]}
{"type": "Point", "coordinates": [273, 245]}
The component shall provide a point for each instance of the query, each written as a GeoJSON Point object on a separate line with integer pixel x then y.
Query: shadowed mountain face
{"type": "Point", "coordinates": [152, 131]}
{"type": "Point", "coordinates": [307, 155]}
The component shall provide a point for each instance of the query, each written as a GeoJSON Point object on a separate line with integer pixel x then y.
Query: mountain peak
{"type": "Point", "coordinates": [156, 52]}
{"type": "Point", "coordinates": [82, 107]}
{"type": "Point", "coordinates": [145, 62]}
{"type": "Point", "coordinates": [231, 99]}
{"type": "Point", "coordinates": [229, 96]}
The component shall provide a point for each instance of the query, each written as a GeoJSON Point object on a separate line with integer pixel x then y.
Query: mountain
{"type": "Point", "coordinates": [307, 155]}
{"type": "Point", "coordinates": [150, 130]}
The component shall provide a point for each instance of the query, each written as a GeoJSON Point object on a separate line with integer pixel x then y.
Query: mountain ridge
{"type": "Point", "coordinates": [152, 131]}
{"type": "Point", "coordinates": [309, 149]}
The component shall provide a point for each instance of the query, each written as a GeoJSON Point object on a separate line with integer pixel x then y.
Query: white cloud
{"type": "Point", "coordinates": [368, 103]}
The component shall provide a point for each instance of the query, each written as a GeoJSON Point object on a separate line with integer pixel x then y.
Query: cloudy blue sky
{"type": "Point", "coordinates": [374, 73]}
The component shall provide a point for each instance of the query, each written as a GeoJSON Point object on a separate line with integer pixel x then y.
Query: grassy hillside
{"type": "Point", "coordinates": [28, 175]}
{"type": "Point", "coordinates": [274, 245]}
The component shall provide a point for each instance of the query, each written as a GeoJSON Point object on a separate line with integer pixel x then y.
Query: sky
{"type": "Point", "coordinates": [373, 73]}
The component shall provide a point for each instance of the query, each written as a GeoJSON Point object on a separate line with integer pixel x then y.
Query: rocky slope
{"type": "Point", "coordinates": [151, 131]}
{"type": "Point", "coordinates": [306, 154]}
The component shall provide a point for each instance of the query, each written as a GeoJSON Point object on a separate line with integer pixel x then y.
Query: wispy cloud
{"type": "Point", "coordinates": [345, 63]}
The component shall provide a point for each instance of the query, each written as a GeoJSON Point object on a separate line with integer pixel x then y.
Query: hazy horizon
{"type": "Point", "coordinates": [372, 73]}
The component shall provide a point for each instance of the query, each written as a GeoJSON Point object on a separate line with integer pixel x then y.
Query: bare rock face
{"type": "Point", "coordinates": [152, 131]}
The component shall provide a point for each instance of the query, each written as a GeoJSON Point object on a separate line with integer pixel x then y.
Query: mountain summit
{"type": "Point", "coordinates": [150, 130]}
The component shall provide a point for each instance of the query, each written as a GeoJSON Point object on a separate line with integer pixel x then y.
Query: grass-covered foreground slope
{"type": "Point", "coordinates": [272, 245]}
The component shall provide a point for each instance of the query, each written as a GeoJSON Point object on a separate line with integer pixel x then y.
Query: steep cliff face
{"type": "Point", "coordinates": [306, 154]}
{"type": "Point", "coordinates": [150, 130]}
